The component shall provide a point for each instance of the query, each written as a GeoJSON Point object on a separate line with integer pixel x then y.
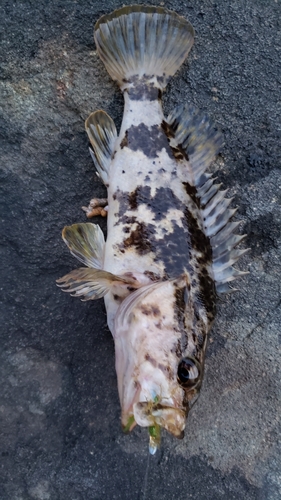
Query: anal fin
{"type": "Point", "coordinates": [102, 134]}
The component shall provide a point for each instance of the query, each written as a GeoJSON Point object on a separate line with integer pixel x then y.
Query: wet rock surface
{"type": "Point", "coordinates": [60, 435]}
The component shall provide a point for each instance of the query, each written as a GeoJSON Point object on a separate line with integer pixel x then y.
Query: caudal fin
{"type": "Point", "coordinates": [142, 42]}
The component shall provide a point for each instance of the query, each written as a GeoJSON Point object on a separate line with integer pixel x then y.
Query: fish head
{"type": "Point", "coordinates": [159, 361]}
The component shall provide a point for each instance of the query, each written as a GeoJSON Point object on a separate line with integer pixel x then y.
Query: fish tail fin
{"type": "Point", "coordinates": [140, 42]}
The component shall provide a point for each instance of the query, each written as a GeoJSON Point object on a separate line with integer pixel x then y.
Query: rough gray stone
{"type": "Point", "coordinates": [60, 433]}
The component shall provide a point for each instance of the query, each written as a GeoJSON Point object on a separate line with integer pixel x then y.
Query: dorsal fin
{"type": "Point", "coordinates": [193, 133]}
{"type": "Point", "coordinates": [102, 134]}
{"type": "Point", "coordinates": [195, 136]}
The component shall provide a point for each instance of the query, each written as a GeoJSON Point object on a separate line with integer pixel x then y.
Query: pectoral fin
{"type": "Point", "coordinates": [91, 284]}
{"type": "Point", "coordinates": [86, 243]}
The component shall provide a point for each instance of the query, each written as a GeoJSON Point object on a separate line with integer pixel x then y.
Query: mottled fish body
{"type": "Point", "coordinates": [170, 246]}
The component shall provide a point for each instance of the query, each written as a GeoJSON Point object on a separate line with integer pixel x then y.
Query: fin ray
{"type": "Point", "coordinates": [207, 195]}
{"type": "Point", "coordinates": [222, 263]}
{"type": "Point", "coordinates": [229, 274]}
{"type": "Point", "coordinates": [219, 222]}
{"type": "Point", "coordinates": [227, 244]}
{"type": "Point", "coordinates": [90, 284]}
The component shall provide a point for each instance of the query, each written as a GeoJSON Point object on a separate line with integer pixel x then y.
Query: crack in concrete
{"type": "Point", "coordinates": [261, 324]}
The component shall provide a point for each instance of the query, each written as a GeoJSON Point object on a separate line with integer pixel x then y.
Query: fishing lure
{"type": "Point", "coordinates": [171, 246]}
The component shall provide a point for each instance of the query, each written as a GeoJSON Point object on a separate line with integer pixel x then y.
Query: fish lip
{"type": "Point", "coordinates": [150, 413]}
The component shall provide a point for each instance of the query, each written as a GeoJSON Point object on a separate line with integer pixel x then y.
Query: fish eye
{"type": "Point", "coordinates": [188, 372]}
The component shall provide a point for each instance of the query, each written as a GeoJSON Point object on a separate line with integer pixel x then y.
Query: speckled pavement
{"type": "Point", "coordinates": [60, 434]}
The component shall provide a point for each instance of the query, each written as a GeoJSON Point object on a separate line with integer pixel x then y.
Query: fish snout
{"type": "Point", "coordinates": [150, 414]}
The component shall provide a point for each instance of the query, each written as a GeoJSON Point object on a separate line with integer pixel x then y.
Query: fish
{"type": "Point", "coordinates": [171, 242]}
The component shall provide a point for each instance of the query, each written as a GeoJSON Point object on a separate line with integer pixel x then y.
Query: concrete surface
{"type": "Point", "coordinates": [60, 432]}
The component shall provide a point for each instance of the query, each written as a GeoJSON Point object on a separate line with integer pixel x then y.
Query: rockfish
{"type": "Point", "coordinates": [171, 246]}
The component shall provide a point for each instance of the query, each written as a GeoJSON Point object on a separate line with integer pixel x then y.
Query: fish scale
{"type": "Point", "coordinates": [170, 245]}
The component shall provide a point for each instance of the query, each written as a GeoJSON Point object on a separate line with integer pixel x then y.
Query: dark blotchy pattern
{"type": "Point", "coordinates": [139, 238]}
{"type": "Point", "coordinates": [162, 201]}
{"type": "Point", "coordinates": [150, 310]}
{"type": "Point", "coordinates": [148, 140]}
{"type": "Point", "coordinates": [160, 204]}
{"type": "Point", "coordinates": [173, 249]}
{"type": "Point", "coordinates": [143, 91]}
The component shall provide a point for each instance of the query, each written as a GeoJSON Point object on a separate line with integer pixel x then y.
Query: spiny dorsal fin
{"type": "Point", "coordinates": [196, 137]}
{"type": "Point", "coordinates": [218, 227]}
{"type": "Point", "coordinates": [139, 40]}
{"type": "Point", "coordinates": [102, 134]}
{"type": "Point", "coordinates": [92, 284]}
{"type": "Point", "coordinates": [86, 242]}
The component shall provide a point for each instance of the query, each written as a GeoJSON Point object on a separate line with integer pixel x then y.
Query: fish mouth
{"type": "Point", "coordinates": [155, 415]}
